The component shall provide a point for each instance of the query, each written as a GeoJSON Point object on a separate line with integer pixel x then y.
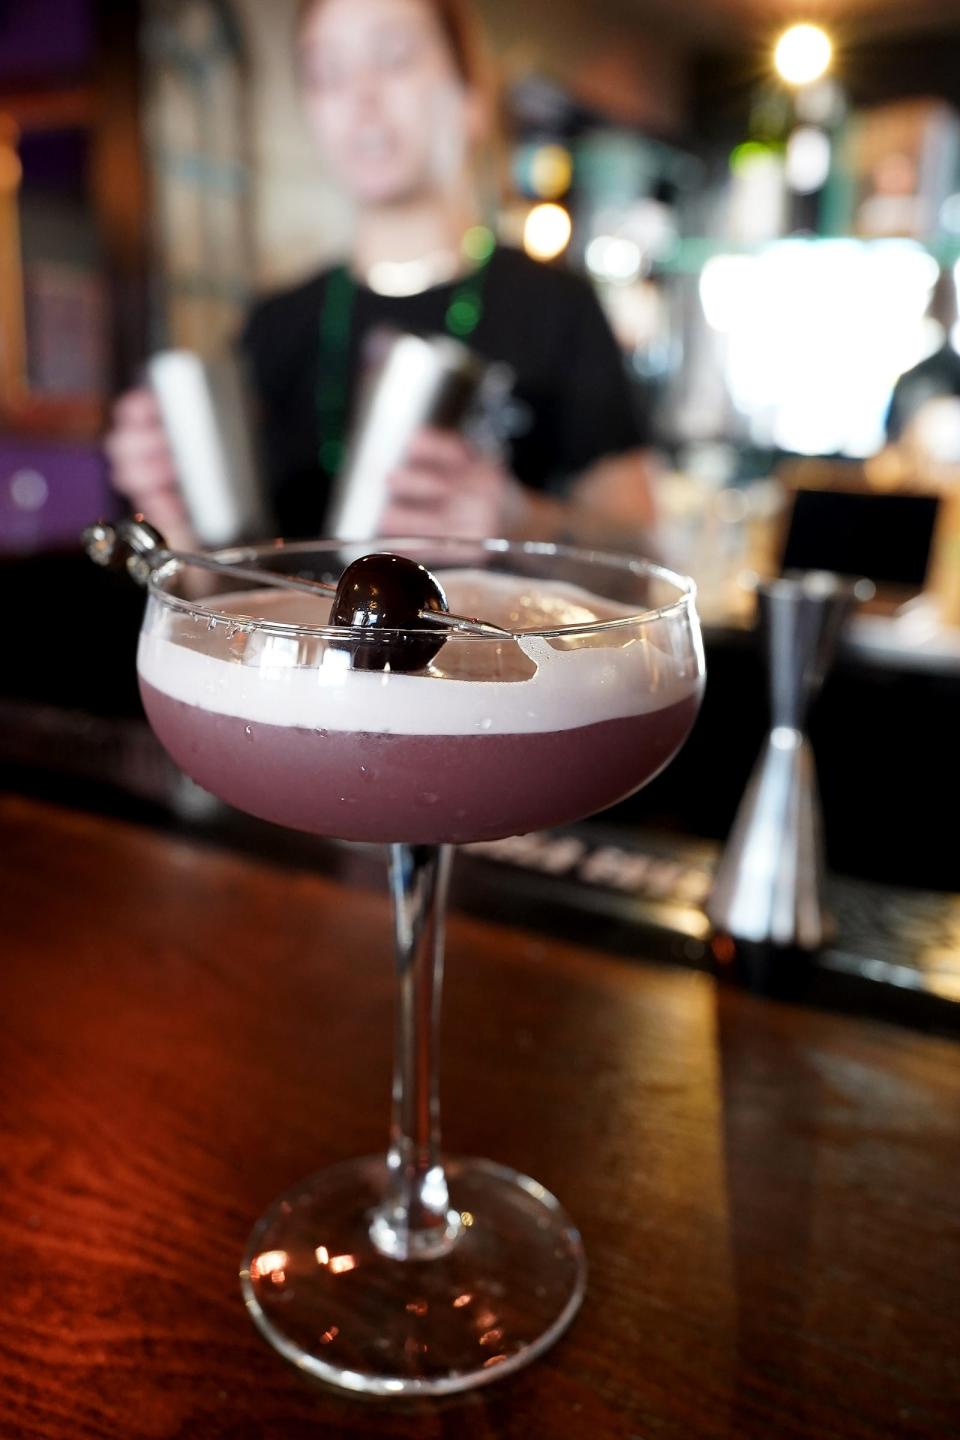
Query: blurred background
{"type": "Point", "coordinates": [766, 238]}
{"type": "Point", "coordinates": [769, 211]}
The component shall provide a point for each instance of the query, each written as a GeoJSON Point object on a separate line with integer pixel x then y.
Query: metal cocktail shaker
{"type": "Point", "coordinates": [206, 412]}
{"type": "Point", "coordinates": [413, 381]}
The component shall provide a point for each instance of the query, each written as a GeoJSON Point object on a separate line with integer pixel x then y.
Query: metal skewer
{"type": "Point", "coordinates": [141, 547]}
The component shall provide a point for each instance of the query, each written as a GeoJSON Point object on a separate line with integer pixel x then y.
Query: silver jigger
{"type": "Point", "coordinates": [769, 886]}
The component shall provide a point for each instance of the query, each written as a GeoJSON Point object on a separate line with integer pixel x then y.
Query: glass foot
{"type": "Point", "coordinates": [331, 1302]}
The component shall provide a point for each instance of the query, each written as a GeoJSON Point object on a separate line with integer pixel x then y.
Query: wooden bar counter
{"type": "Point", "coordinates": [769, 1195]}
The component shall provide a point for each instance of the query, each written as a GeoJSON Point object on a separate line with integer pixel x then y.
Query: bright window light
{"type": "Point", "coordinates": [815, 334]}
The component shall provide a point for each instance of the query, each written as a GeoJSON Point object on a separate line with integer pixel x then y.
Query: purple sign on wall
{"type": "Point", "coordinates": [49, 493]}
{"type": "Point", "coordinates": [40, 38]}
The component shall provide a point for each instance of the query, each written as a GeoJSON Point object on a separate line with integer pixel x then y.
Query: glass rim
{"type": "Point", "coordinates": [244, 554]}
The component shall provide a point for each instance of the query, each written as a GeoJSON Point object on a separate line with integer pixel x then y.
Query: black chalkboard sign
{"type": "Point", "coordinates": [886, 538]}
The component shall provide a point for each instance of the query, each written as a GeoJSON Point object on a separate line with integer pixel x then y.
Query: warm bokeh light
{"type": "Point", "coordinates": [551, 171]}
{"type": "Point", "coordinates": [803, 54]}
{"type": "Point", "coordinates": [269, 1262]}
{"type": "Point", "coordinates": [341, 1264]}
{"type": "Point", "coordinates": [547, 232]}
{"type": "Point", "coordinates": [10, 172]}
{"type": "Point", "coordinates": [724, 950]}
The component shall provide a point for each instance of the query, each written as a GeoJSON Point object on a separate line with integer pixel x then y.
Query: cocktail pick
{"type": "Point", "coordinates": [140, 548]}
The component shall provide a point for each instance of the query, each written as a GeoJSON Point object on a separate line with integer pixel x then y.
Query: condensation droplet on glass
{"type": "Point", "coordinates": [320, 733]}
{"type": "Point", "coordinates": [248, 731]}
{"type": "Point", "coordinates": [486, 724]}
{"type": "Point", "coordinates": [430, 797]}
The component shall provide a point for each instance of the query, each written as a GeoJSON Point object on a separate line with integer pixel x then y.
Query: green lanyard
{"type": "Point", "coordinates": [462, 317]}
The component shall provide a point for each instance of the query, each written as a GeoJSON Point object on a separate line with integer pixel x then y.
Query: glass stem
{"type": "Point", "coordinates": [415, 1221]}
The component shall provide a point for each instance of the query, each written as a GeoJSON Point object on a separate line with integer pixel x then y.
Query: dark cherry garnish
{"type": "Point", "coordinates": [387, 593]}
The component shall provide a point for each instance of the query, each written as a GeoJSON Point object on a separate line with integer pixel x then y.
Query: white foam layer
{"type": "Point", "coordinates": [545, 688]}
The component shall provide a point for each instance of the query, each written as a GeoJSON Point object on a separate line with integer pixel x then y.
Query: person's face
{"type": "Point", "coordinates": [384, 98]}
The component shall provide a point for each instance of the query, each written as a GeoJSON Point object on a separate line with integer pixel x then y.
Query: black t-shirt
{"type": "Point", "coordinates": [574, 404]}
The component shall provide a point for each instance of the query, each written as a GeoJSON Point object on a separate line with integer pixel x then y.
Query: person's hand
{"type": "Point", "coordinates": [446, 487]}
{"type": "Point", "coordinates": [142, 468]}
{"type": "Point", "coordinates": [618, 492]}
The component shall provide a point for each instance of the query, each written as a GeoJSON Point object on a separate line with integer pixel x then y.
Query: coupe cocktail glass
{"type": "Point", "coordinates": [418, 1273]}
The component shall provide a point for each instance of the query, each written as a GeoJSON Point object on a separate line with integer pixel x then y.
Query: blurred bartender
{"type": "Point", "coordinates": [395, 96]}
{"type": "Point", "coordinates": [935, 378]}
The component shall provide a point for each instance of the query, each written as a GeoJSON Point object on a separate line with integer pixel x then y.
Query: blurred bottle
{"type": "Point", "coordinates": [904, 169]}
{"type": "Point", "coordinates": [789, 176]}
{"type": "Point", "coordinates": [818, 182]}
{"type": "Point", "coordinates": [758, 190]}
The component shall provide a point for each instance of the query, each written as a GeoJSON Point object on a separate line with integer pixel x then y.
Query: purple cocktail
{"type": "Point", "coordinates": [418, 1273]}
{"type": "Point", "coordinates": [482, 743]}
